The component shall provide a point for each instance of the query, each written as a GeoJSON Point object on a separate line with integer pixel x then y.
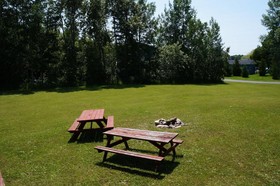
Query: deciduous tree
{"type": "Point", "coordinates": [272, 41]}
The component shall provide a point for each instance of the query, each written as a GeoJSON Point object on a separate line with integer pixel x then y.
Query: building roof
{"type": "Point", "coordinates": [243, 62]}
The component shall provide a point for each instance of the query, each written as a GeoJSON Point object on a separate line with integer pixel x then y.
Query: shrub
{"type": "Point", "coordinates": [236, 70]}
{"type": "Point", "coordinates": [245, 72]}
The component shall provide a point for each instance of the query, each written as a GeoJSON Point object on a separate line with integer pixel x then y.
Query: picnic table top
{"type": "Point", "coordinates": [148, 135]}
{"type": "Point", "coordinates": [91, 115]}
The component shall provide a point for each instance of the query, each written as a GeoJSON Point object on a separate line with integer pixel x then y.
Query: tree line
{"type": "Point", "coordinates": [267, 56]}
{"type": "Point", "coordinates": [51, 43]}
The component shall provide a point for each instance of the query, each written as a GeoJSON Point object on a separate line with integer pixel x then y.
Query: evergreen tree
{"type": "Point", "coordinates": [131, 29]}
{"type": "Point", "coordinates": [236, 69]}
{"type": "Point", "coordinates": [11, 65]}
{"type": "Point", "coordinates": [94, 21]}
{"type": "Point", "coordinates": [227, 66]}
{"type": "Point", "coordinates": [199, 41]}
{"type": "Point", "coordinates": [22, 36]}
{"type": "Point", "coordinates": [177, 24]}
{"type": "Point", "coordinates": [51, 44]}
{"type": "Point", "coordinates": [245, 72]}
{"type": "Point", "coordinates": [70, 34]}
{"type": "Point", "coordinates": [215, 56]}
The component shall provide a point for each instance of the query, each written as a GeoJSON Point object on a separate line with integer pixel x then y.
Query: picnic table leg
{"type": "Point", "coordinates": [100, 124]}
{"type": "Point", "coordinates": [173, 150]}
{"type": "Point", "coordinates": [77, 133]}
{"type": "Point", "coordinates": [82, 125]}
{"type": "Point", "coordinates": [125, 143]}
{"type": "Point", "coordinates": [160, 146]}
{"type": "Point", "coordinates": [157, 166]}
{"type": "Point", "coordinates": [74, 136]}
{"type": "Point", "coordinates": [161, 149]}
{"type": "Point", "coordinates": [109, 138]}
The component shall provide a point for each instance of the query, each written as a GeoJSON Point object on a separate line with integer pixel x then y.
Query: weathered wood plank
{"type": "Point", "coordinates": [129, 153]}
{"type": "Point", "coordinates": [179, 141]}
{"type": "Point", "coordinates": [74, 127]}
{"type": "Point", "coordinates": [164, 137]}
{"type": "Point", "coordinates": [110, 122]}
{"type": "Point", "coordinates": [90, 115]}
{"type": "Point", "coordinates": [99, 114]}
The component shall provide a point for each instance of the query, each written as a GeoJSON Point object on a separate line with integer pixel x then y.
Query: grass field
{"type": "Point", "coordinates": [254, 77]}
{"type": "Point", "coordinates": [231, 137]}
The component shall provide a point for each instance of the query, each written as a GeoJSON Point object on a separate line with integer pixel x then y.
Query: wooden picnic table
{"type": "Point", "coordinates": [158, 139]}
{"type": "Point", "coordinates": [91, 116]}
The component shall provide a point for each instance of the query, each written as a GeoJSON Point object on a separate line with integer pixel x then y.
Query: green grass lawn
{"type": "Point", "coordinates": [254, 77]}
{"type": "Point", "coordinates": [231, 137]}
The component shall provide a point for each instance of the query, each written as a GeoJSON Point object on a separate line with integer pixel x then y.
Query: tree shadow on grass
{"type": "Point", "coordinates": [209, 83]}
{"type": "Point", "coordinates": [15, 92]}
{"type": "Point", "coordinates": [70, 89]}
{"type": "Point", "coordinates": [142, 167]}
{"type": "Point", "coordinates": [96, 88]}
{"type": "Point", "coordinates": [88, 136]}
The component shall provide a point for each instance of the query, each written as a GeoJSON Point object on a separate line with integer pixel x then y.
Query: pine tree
{"type": "Point", "coordinates": [236, 70]}
{"type": "Point", "coordinates": [245, 72]}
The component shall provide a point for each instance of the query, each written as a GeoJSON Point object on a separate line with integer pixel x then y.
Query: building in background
{"type": "Point", "coordinates": [250, 65]}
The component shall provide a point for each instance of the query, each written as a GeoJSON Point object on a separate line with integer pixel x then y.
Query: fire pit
{"type": "Point", "coordinates": [171, 123]}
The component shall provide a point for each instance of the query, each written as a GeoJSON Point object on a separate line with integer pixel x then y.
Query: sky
{"type": "Point", "coordinates": [239, 20]}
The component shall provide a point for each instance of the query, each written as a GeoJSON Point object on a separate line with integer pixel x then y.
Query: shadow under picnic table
{"type": "Point", "coordinates": [88, 136]}
{"type": "Point", "coordinates": [138, 166]}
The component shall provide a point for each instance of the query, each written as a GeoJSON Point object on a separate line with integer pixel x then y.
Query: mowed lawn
{"type": "Point", "coordinates": [231, 136]}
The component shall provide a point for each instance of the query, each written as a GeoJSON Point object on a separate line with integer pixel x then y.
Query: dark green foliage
{"type": "Point", "coordinates": [52, 43]}
{"type": "Point", "coordinates": [228, 69]}
{"type": "Point", "coordinates": [244, 72]}
{"type": "Point", "coordinates": [22, 43]}
{"type": "Point", "coordinates": [268, 55]}
{"type": "Point", "coordinates": [216, 57]}
{"type": "Point", "coordinates": [272, 21]}
{"type": "Point", "coordinates": [236, 57]}
{"type": "Point", "coordinates": [177, 23]}
{"type": "Point", "coordinates": [236, 69]}
{"type": "Point", "coordinates": [276, 53]}
{"type": "Point", "coordinates": [133, 30]}
{"type": "Point", "coordinates": [261, 56]}
{"type": "Point", "coordinates": [200, 42]}
{"type": "Point", "coordinates": [94, 25]}
{"type": "Point", "coordinates": [262, 68]}
{"type": "Point", "coordinates": [70, 36]}
{"type": "Point", "coordinates": [227, 66]}
{"type": "Point", "coordinates": [173, 64]}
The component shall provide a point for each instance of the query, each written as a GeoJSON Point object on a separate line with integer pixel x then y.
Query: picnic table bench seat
{"type": "Point", "coordinates": [178, 141]}
{"type": "Point", "coordinates": [110, 122]}
{"type": "Point", "coordinates": [128, 153]}
{"type": "Point", "coordinates": [158, 159]}
{"type": "Point", "coordinates": [75, 126]}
